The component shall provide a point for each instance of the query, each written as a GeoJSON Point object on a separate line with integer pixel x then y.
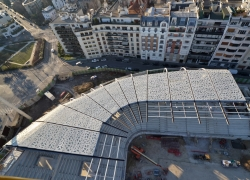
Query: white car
{"type": "Point", "coordinates": [128, 68]}
{"type": "Point", "coordinates": [93, 77]}
{"type": "Point", "coordinates": [98, 67]}
{"type": "Point", "coordinates": [78, 63]}
{"type": "Point", "coordinates": [94, 60]}
{"type": "Point", "coordinates": [230, 163]}
{"type": "Point", "coordinates": [104, 66]}
{"type": "Point", "coordinates": [103, 59]}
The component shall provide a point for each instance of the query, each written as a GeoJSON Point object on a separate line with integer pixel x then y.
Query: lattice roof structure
{"type": "Point", "coordinates": [96, 129]}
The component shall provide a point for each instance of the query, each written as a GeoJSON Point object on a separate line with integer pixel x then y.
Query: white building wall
{"type": "Point", "coordinates": [58, 4]}
{"type": "Point", "coordinates": [234, 44]}
{"type": "Point", "coordinates": [51, 15]}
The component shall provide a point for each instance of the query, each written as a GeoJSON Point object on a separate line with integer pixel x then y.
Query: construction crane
{"type": "Point", "coordinates": [140, 151]}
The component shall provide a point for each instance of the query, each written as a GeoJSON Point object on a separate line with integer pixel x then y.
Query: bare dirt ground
{"type": "Point", "coordinates": [185, 167]}
{"type": "Point", "coordinates": [44, 104]}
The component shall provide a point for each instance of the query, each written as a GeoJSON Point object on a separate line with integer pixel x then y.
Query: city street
{"type": "Point", "coordinates": [18, 86]}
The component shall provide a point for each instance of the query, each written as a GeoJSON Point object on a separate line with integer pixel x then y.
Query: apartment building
{"type": "Point", "coordinates": [49, 13]}
{"type": "Point", "coordinates": [117, 31]}
{"type": "Point", "coordinates": [68, 28]}
{"type": "Point", "coordinates": [209, 30]}
{"type": "Point", "coordinates": [183, 17]}
{"type": "Point", "coordinates": [234, 47]}
{"type": "Point", "coordinates": [32, 6]}
{"type": "Point", "coordinates": [58, 4]}
{"type": "Point", "coordinates": [186, 31]}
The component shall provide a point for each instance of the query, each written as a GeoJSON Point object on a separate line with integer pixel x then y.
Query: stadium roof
{"type": "Point", "coordinates": [98, 127]}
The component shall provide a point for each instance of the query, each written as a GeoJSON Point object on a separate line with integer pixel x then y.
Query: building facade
{"type": "Point", "coordinates": [234, 46]}
{"type": "Point", "coordinates": [182, 32]}
{"type": "Point", "coordinates": [58, 4]}
{"type": "Point", "coordinates": [49, 13]}
{"type": "Point", "coordinates": [32, 6]}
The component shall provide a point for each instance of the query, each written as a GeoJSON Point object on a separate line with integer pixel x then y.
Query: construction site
{"type": "Point", "coordinates": [155, 157]}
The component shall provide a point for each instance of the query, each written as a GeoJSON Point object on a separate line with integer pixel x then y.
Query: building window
{"type": "Point", "coordinates": [242, 32]}
{"type": "Point", "coordinates": [216, 59]}
{"type": "Point", "coordinates": [244, 62]}
{"type": "Point", "coordinates": [233, 23]}
{"type": "Point", "coordinates": [238, 56]}
{"type": "Point", "coordinates": [238, 38]}
{"type": "Point", "coordinates": [218, 54]}
{"type": "Point", "coordinates": [235, 61]}
{"type": "Point", "coordinates": [245, 45]}
{"type": "Point", "coordinates": [241, 50]}
{"type": "Point", "coordinates": [224, 43]}
{"type": "Point", "coordinates": [230, 30]}
{"type": "Point", "coordinates": [228, 37]}
{"type": "Point", "coordinates": [244, 24]}
{"type": "Point", "coordinates": [248, 39]}
{"type": "Point", "coordinates": [228, 56]}
{"type": "Point", "coordinates": [162, 36]}
{"type": "Point", "coordinates": [222, 49]}
{"type": "Point", "coordinates": [225, 60]}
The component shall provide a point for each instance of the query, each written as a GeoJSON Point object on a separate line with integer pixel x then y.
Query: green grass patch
{"type": "Point", "coordinates": [9, 66]}
{"type": "Point", "coordinates": [15, 47]}
{"type": "Point", "coordinates": [24, 55]}
{"type": "Point", "coordinates": [68, 57]}
{"type": "Point", "coordinates": [4, 55]}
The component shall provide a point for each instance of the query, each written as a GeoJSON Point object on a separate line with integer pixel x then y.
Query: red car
{"type": "Point", "coordinates": [176, 152]}
{"type": "Point", "coordinates": [63, 94]}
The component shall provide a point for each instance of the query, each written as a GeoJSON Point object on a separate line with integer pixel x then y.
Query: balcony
{"type": "Point", "coordinates": [77, 29]}
{"type": "Point", "coordinates": [177, 30]}
{"type": "Point", "coordinates": [86, 34]}
{"type": "Point", "coordinates": [62, 28]}
{"type": "Point", "coordinates": [206, 31]}
{"type": "Point", "coordinates": [96, 21]}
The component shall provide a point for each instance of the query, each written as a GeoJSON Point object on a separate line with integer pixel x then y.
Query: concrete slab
{"type": "Point", "coordinates": [185, 167]}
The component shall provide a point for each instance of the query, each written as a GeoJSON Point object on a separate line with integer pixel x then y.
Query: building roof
{"type": "Point", "coordinates": [48, 9]}
{"type": "Point", "coordinates": [98, 127]}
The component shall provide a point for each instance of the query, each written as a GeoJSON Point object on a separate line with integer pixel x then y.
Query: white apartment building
{"type": "Point", "coordinates": [58, 4]}
{"type": "Point", "coordinates": [49, 13]}
{"type": "Point", "coordinates": [117, 31]}
{"type": "Point", "coordinates": [233, 49]}
{"type": "Point", "coordinates": [69, 28]}
{"type": "Point", "coordinates": [167, 31]}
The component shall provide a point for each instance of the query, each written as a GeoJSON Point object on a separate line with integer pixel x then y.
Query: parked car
{"type": "Point", "coordinates": [104, 66]}
{"type": "Point", "coordinates": [118, 59]}
{"type": "Point", "coordinates": [78, 63]}
{"type": "Point", "coordinates": [93, 77]}
{"type": "Point", "coordinates": [93, 60]}
{"type": "Point", "coordinates": [126, 60]}
{"type": "Point", "coordinates": [98, 67]}
{"type": "Point", "coordinates": [128, 68]}
{"type": "Point", "coordinates": [63, 94]}
{"type": "Point", "coordinates": [103, 59]}
{"type": "Point", "coordinates": [202, 157]}
{"type": "Point", "coordinates": [230, 163]}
